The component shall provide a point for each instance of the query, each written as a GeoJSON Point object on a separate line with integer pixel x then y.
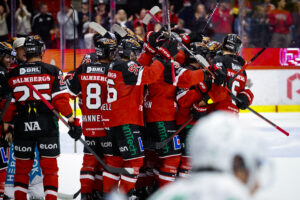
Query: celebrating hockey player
{"type": "Point", "coordinates": [6, 54]}
{"type": "Point", "coordinates": [89, 81]}
{"type": "Point", "coordinates": [126, 80]}
{"type": "Point", "coordinates": [34, 123]}
{"type": "Point", "coordinates": [218, 153]}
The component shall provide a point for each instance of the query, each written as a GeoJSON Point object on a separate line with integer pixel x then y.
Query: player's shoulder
{"type": "Point", "coordinates": [93, 68]}
{"type": "Point", "coordinates": [2, 70]}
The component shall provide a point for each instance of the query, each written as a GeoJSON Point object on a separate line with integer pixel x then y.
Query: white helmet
{"type": "Point", "coordinates": [211, 141]}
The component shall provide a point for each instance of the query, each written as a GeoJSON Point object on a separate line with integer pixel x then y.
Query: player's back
{"type": "Point", "coordinates": [125, 93]}
{"type": "Point", "coordinates": [204, 186]}
{"type": "Point", "coordinates": [89, 82]}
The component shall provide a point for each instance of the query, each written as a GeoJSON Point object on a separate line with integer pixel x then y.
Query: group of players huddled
{"type": "Point", "coordinates": [132, 93]}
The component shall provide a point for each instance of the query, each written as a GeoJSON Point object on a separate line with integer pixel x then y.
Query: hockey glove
{"type": "Point", "coordinates": [245, 99]}
{"type": "Point", "coordinates": [169, 49]}
{"type": "Point", "coordinates": [154, 41]}
{"type": "Point", "coordinates": [192, 37]}
{"type": "Point", "coordinates": [75, 129]}
{"type": "Point", "coordinates": [198, 111]}
{"type": "Point", "coordinates": [204, 86]}
{"type": "Point", "coordinates": [220, 74]}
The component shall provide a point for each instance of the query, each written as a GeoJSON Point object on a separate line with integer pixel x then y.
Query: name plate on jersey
{"type": "Point", "coordinates": [30, 70]}
{"type": "Point", "coordinates": [96, 70]}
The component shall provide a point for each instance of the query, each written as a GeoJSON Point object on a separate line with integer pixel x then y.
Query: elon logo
{"type": "Point", "coordinates": [289, 57]}
{"type": "Point", "coordinates": [290, 81]}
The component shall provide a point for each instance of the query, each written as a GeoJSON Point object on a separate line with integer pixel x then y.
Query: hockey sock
{"type": "Point", "coordinates": [87, 173]}
{"type": "Point", "coordinates": [50, 172]}
{"type": "Point", "coordinates": [110, 180]}
{"type": "Point", "coordinates": [23, 167]}
{"type": "Point", "coordinates": [128, 182]}
{"type": "Point", "coordinates": [184, 167]}
{"type": "Point", "coordinates": [2, 182]}
{"type": "Point", "coordinates": [98, 183]}
{"type": "Point", "coordinates": [168, 170]}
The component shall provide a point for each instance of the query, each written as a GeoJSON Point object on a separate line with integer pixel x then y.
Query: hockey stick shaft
{"type": "Point", "coordinates": [210, 16]}
{"type": "Point", "coordinates": [108, 168]}
{"type": "Point", "coordinates": [74, 66]}
{"type": "Point", "coordinates": [161, 144]}
{"type": "Point", "coordinates": [259, 115]}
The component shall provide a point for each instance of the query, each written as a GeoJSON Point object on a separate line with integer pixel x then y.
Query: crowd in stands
{"type": "Point", "coordinates": [261, 23]}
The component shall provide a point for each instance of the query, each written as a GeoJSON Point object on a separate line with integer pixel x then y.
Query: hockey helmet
{"type": "Point", "coordinates": [34, 45]}
{"type": "Point", "coordinates": [105, 46]}
{"type": "Point", "coordinates": [6, 49]}
{"type": "Point", "coordinates": [232, 43]}
{"type": "Point", "coordinates": [198, 48]}
{"type": "Point", "coordinates": [129, 46]}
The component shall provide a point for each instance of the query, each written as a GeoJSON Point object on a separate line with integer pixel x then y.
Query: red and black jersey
{"type": "Point", "coordinates": [232, 64]}
{"type": "Point", "coordinates": [125, 85]}
{"type": "Point", "coordinates": [89, 83]}
{"type": "Point", "coordinates": [47, 79]}
{"type": "Point", "coordinates": [160, 102]}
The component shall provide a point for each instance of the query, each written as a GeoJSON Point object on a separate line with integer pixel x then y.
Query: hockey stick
{"type": "Point", "coordinates": [114, 170]}
{"type": "Point", "coordinates": [98, 28]}
{"type": "Point", "coordinates": [68, 196]}
{"type": "Point", "coordinates": [74, 66]}
{"type": "Point", "coordinates": [150, 13]}
{"type": "Point", "coordinates": [210, 16]}
{"type": "Point", "coordinates": [159, 145]}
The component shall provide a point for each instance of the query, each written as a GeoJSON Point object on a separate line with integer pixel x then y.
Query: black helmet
{"type": "Point", "coordinates": [104, 45]}
{"type": "Point", "coordinates": [198, 48]}
{"type": "Point", "coordinates": [34, 46]}
{"type": "Point", "coordinates": [127, 46]}
{"type": "Point", "coordinates": [232, 43]}
{"type": "Point", "coordinates": [6, 49]}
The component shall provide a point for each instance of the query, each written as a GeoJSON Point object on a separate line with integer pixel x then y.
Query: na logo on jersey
{"type": "Point", "coordinates": [32, 126]}
{"type": "Point", "coordinates": [176, 141]}
{"type": "Point", "coordinates": [30, 70]}
{"type": "Point", "coordinates": [95, 70]}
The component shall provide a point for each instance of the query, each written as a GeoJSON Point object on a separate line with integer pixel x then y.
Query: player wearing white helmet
{"type": "Point", "coordinates": [215, 150]}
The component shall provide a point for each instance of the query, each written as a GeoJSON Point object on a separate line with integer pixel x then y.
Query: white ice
{"type": "Point", "coordinates": [283, 151]}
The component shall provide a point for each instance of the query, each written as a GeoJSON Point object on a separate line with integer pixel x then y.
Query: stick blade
{"type": "Point", "coordinates": [148, 17]}
{"type": "Point", "coordinates": [118, 29]}
{"type": "Point", "coordinates": [98, 28]}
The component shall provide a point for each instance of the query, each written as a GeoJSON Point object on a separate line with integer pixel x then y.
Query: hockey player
{"type": "Point", "coordinates": [34, 123]}
{"type": "Point", "coordinates": [89, 81]}
{"type": "Point", "coordinates": [6, 53]}
{"type": "Point", "coordinates": [126, 80]}
{"type": "Point", "coordinates": [215, 148]}
{"type": "Point", "coordinates": [160, 109]}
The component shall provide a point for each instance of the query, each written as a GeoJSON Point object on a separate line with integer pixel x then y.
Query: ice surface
{"type": "Point", "coordinates": [283, 151]}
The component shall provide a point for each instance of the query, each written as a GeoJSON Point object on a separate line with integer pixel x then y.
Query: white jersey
{"type": "Point", "coordinates": [204, 186]}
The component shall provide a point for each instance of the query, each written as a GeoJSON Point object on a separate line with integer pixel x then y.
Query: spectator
{"type": "Point", "coordinates": [260, 21]}
{"type": "Point", "coordinates": [280, 21]}
{"type": "Point", "coordinates": [268, 6]}
{"type": "Point", "coordinates": [88, 38]}
{"type": "Point", "coordinates": [179, 28]}
{"type": "Point", "coordinates": [296, 30]}
{"type": "Point", "coordinates": [55, 37]}
{"type": "Point", "coordinates": [23, 21]}
{"type": "Point", "coordinates": [42, 23]}
{"type": "Point", "coordinates": [222, 21]}
{"type": "Point", "coordinates": [187, 13]}
{"type": "Point", "coordinates": [65, 18]}
{"type": "Point", "coordinates": [199, 18]}
{"type": "Point", "coordinates": [140, 32]}
{"type": "Point", "coordinates": [101, 15]}
{"type": "Point", "coordinates": [3, 24]}
{"type": "Point", "coordinates": [83, 16]}
{"type": "Point", "coordinates": [138, 21]}
{"type": "Point", "coordinates": [121, 18]}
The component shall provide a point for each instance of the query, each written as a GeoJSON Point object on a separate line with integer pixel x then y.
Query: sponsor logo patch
{"type": "Point", "coordinates": [30, 70]}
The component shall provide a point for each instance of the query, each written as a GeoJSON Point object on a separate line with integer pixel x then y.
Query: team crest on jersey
{"type": "Point", "coordinates": [235, 67]}
{"type": "Point", "coordinates": [133, 67]}
{"type": "Point", "coordinates": [30, 70]}
{"type": "Point", "coordinates": [96, 70]}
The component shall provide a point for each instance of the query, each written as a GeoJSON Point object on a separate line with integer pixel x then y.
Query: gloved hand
{"type": "Point", "coordinates": [153, 41]}
{"type": "Point", "coordinates": [198, 111]}
{"type": "Point", "coordinates": [192, 37]}
{"type": "Point", "coordinates": [75, 129]}
{"type": "Point", "coordinates": [169, 49]}
{"type": "Point", "coordinates": [220, 74]}
{"type": "Point", "coordinates": [245, 99]}
{"type": "Point", "coordinates": [204, 86]}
